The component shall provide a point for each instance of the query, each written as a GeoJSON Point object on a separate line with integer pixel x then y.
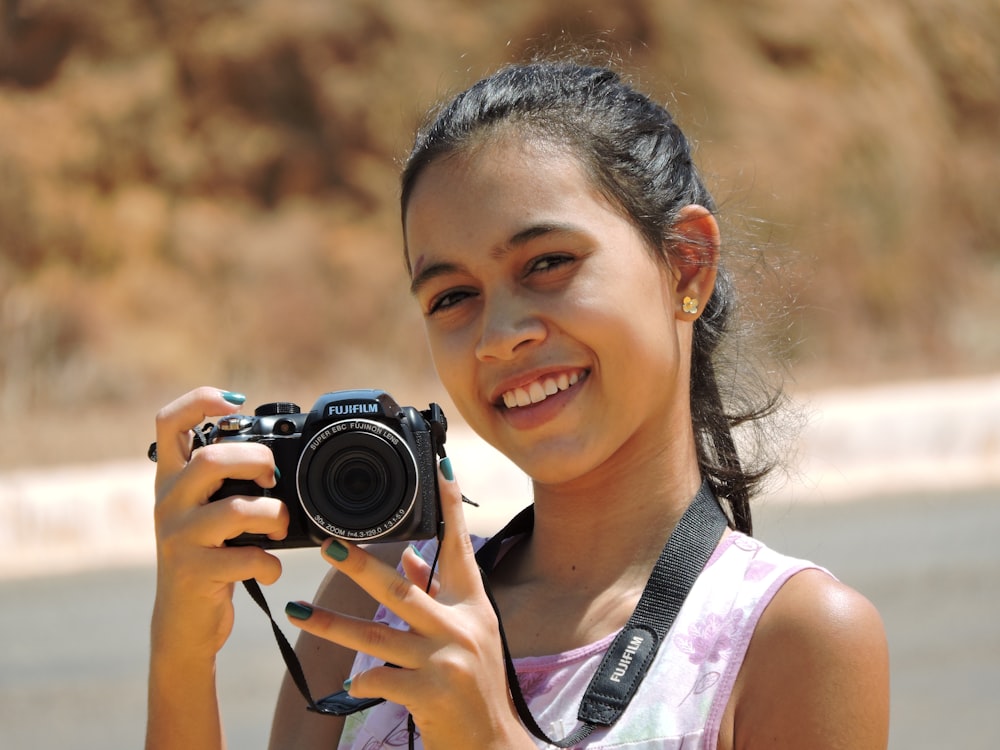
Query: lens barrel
{"type": "Point", "coordinates": [357, 479]}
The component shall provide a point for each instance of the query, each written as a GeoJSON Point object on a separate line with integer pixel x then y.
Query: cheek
{"type": "Point", "coordinates": [632, 314]}
{"type": "Point", "coordinates": [636, 341]}
{"type": "Point", "coordinates": [452, 362]}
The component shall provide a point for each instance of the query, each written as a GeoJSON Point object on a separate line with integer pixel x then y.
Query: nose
{"type": "Point", "coordinates": [508, 325]}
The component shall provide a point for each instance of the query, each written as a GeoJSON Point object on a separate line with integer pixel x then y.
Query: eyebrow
{"type": "Point", "coordinates": [517, 240]}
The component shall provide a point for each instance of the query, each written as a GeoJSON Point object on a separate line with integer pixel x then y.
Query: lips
{"type": "Point", "coordinates": [538, 390]}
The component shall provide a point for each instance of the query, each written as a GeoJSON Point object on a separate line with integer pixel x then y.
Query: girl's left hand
{"type": "Point", "coordinates": [452, 677]}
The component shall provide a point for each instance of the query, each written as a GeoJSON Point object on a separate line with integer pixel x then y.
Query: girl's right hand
{"type": "Point", "coordinates": [193, 612]}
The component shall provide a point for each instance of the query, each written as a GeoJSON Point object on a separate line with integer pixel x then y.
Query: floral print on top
{"type": "Point", "coordinates": [679, 705]}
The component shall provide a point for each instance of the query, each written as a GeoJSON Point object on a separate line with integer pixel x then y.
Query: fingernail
{"type": "Point", "coordinates": [416, 551]}
{"type": "Point", "coordinates": [336, 551]}
{"type": "Point", "coordinates": [446, 470]}
{"type": "Point", "coordinates": [347, 684]}
{"type": "Point", "coordinates": [298, 611]}
{"type": "Point", "coordinates": [277, 473]}
{"type": "Point", "coordinates": [234, 398]}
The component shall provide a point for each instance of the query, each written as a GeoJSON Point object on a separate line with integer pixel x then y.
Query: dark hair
{"type": "Point", "coordinates": [640, 160]}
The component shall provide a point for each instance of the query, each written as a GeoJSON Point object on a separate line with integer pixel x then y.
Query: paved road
{"type": "Point", "coordinates": [73, 647]}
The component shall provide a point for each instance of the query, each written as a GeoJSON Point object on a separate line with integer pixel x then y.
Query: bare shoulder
{"type": "Point", "coordinates": [816, 673]}
{"type": "Point", "coordinates": [326, 664]}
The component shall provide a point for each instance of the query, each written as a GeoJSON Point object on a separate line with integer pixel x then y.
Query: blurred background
{"type": "Point", "coordinates": [205, 193]}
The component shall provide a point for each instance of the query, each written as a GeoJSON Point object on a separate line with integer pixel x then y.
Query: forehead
{"type": "Point", "coordinates": [489, 162]}
{"type": "Point", "coordinates": [496, 185]}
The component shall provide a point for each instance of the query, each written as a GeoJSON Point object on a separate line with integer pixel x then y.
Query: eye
{"type": "Point", "coordinates": [547, 263]}
{"type": "Point", "coordinates": [448, 299]}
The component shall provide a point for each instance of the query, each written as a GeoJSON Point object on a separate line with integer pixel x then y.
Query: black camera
{"type": "Point", "coordinates": [358, 467]}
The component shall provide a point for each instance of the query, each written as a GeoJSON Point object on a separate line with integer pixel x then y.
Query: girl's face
{"type": "Point", "coordinates": [557, 335]}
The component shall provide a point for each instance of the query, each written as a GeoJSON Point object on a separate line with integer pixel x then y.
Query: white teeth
{"type": "Point", "coordinates": [539, 390]}
{"type": "Point", "coordinates": [536, 392]}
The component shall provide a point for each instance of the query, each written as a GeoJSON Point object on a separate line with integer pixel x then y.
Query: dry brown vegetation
{"type": "Point", "coordinates": [204, 192]}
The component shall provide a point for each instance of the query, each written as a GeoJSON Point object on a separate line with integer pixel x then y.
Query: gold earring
{"type": "Point", "coordinates": [690, 305]}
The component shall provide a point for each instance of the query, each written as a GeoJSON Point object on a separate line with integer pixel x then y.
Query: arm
{"type": "Point", "coordinates": [193, 610]}
{"type": "Point", "coordinates": [816, 673]}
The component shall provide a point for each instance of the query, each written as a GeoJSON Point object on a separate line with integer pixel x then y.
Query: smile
{"type": "Point", "coordinates": [541, 389]}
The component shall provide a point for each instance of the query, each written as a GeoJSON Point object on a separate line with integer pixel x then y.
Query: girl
{"type": "Point", "coordinates": [565, 255]}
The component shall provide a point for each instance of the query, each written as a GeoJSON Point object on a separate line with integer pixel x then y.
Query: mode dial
{"type": "Point", "coordinates": [278, 407]}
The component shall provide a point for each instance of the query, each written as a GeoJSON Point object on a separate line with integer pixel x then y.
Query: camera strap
{"type": "Point", "coordinates": [628, 658]}
{"type": "Point", "coordinates": [287, 651]}
{"type": "Point", "coordinates": [340, 703]}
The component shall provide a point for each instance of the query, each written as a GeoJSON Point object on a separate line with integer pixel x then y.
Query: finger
{"type": "Point", "coordinates": [241, 563]}
{"type": "Point", "coordinates": [418, 570]}
{"type": "Point", "coordinates": [231, 516]}
{"type": "Point", "coordinates": [393, 685]}
{"type": "Point", "coordinates": [459, 570]}
{"type": "Point", "coordinates": [210, 466]}
{"type": "Point", "coordinates": [383, 583]}
{"type": "Point", "coordinates": [399, 647]}
{"type": "Point", "coordinates": [175, 421]}
{"type": "Point", "coordinates": [224, 564]}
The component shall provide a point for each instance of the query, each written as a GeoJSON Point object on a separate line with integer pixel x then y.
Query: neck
{"type": "Point", "coordinates": [608, 528]}
{"type": "Point", "coordinates": [594, 544]}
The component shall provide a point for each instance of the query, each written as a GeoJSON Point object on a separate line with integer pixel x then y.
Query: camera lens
{"type": "Point", "coordinates": [357, 479]}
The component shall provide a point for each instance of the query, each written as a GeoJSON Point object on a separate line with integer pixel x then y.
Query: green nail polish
{"type": "Point", "coordinates": [416, 551]}
{"type": "Point", "coordinates": [336, 551]}
{"type": "Point", "coordinates": [298, 611]}
{"type": "Point", "coordinates": [347, 685]}
{"type": "Point", "coordinates": [446, 469]}
{"type": "Point", "coordinates": [234, 398]}
{"type": "Point", "coordinates": [277, 473]}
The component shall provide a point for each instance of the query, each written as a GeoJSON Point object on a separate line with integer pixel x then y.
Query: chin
{"type": "Point", "coordinates": [553, 465]}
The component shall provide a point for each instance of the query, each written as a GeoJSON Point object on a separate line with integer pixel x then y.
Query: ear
{"type": "Point", "coordinates": [694, 260]}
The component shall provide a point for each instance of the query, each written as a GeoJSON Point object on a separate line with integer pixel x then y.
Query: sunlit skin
{"type": "Point", "coordinates": [525, 273]}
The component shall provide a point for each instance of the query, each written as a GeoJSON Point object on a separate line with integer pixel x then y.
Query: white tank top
{"type": "Point", "coordinates": [679, 704]}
